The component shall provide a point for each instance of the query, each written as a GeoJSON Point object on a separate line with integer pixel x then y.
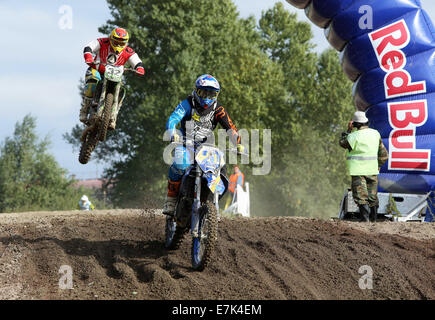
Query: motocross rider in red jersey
{"type": "Point", "coordinates": [96, 54]}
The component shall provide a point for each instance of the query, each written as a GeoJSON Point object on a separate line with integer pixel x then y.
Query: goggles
{"type": "Point", "coordinates": [207, 94]}
{"type": "Point", "coordinates": [118, 43]}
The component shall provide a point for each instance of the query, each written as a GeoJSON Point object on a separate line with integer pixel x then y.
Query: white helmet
{"type": "Point", "coordinates": [84, 198]}
{"type": "Point", "coordinates": [360, 117]}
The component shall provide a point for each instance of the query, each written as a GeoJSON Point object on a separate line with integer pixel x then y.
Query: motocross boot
{"type": "Point", "coordinates": [171, 197]}
{"type": "Point", "coordinates": [373, 213]}
{"type": "Point", "coordinates": [364, 212]}
{"type": "Point", "coordinates": [86, 103]}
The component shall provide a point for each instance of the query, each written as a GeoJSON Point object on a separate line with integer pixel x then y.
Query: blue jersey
{"type": "Point", "coordinates": [182, 113]}
{"type": "Point", "coordinates": [204, 123]}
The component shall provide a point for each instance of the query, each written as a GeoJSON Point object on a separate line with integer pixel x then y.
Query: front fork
{"type": "Point", "coordinates": [216, 202]}
{"type": "Point", "coordinates": [196, 203]}
{"type": "Point", "coordinates": [101, 103]}
{"type": "Point", "coordinates": [102, 98]}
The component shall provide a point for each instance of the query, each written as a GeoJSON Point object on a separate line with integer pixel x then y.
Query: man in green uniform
{"type": "Point", "coordinates": [365, 156]}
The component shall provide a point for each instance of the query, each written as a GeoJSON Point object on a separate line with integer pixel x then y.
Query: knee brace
{"type": "Point", "coordinates": [176, 172]}
{"type": "Point", "coordinates": [92, 78]}
{"type": "Point", "coordinates": [90, 89]}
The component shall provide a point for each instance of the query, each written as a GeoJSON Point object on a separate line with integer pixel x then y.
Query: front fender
{"type": "Point", "coordinates": [225, 182]}
{"type": "Point", "coordinates": [215, 183]}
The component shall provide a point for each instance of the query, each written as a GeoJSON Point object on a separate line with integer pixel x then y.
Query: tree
{"type": "Point", "coordinates": [178, 41]}
{"type": "Point", "coordinates": [30, 178]}
{"type": "Point", "coordinates": [270, 78]}
{"type": "Point", "coordinates": [308, 174]}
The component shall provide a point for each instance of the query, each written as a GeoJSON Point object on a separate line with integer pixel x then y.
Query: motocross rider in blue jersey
{"type": "Point", "coordinates": [202, 110]}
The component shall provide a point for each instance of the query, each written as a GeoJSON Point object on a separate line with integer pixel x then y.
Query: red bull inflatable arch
{"type": "Point", "coordinates": [387, 48]}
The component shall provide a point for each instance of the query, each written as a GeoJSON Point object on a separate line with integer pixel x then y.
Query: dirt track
{"type": "Point", "coordinates": [119, 254]}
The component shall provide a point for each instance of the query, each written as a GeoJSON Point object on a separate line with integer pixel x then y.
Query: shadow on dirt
{"type": "Point", "coordinates": [136, 254]}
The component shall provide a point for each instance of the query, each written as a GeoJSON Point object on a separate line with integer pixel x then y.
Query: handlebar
{"type": "Point", "coordinates": [125, 69]}
{"type": "Point", "coordinates": [199, 144]}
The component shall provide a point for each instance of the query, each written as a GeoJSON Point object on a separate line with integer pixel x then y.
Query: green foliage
{"type": "Point", "coordinates": [308, 169]}
{"type": "Point", "coordinates": [30, 178]}
{"type": "Point", "coordinates": [270, 78]}
{"type": "Point", "coordinates": [178, 41]}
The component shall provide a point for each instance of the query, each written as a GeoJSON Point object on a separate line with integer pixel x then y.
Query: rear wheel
{"type": "Point", "coordinates": [88, 145]}
{"type": "Point", "coordinates": [203, 245]}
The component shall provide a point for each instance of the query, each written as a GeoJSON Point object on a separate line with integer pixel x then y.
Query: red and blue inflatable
{"type": "Point", "coordinates": [387, 48]}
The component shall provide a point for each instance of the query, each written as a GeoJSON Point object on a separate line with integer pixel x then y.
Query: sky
{"type": "Point", "coordinates": [43, 63]}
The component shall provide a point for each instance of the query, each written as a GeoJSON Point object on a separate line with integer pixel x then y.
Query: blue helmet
{"type": "Point", "coordinates": [206, 90]}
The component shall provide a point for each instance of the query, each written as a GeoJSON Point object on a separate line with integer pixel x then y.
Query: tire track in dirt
{"type": "Point", "coordinates": [119, 254]}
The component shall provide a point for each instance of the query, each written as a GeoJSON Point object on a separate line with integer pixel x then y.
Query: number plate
{"type": "Point", "coordinates": [114, 73]}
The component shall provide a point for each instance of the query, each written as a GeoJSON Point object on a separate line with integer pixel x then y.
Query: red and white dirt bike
{"type": "Point", "coordinates": [109, 102]}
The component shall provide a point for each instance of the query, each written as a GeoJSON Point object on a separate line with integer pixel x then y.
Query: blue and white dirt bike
{"type": "Point", "coordinates": [197, 206]}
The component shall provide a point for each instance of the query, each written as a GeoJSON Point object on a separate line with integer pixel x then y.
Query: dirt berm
{"type": "Point", "coordinates": [119, 254]}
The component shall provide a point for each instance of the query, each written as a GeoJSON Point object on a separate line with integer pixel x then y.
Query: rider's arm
{"type": "Point", "coordinates": [224, 119]}
{"type": "Point", "coordinates": [179, 113]}
{"type": "Point", "coordinates": [90, 49]}
{"type": "Point", "coordinates": [137, 64]}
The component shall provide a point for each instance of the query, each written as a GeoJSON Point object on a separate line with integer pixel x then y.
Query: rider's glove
{"type": "Point", "coordinates": [140, 71]}
{"type": "Point", "coordinates": [89, 59]}
{"type": "Point", "coordinates": [101, 69]}
{"type": "Point", "coordinates": [240, 149]}
{"type": "Point", "coordinates": [175, 137]}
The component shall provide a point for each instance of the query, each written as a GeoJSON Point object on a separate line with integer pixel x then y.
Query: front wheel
{"type": "Point", "coordinates": [88, 145]}
{"type": "Point", "coordinates": [107, 113]}
{"type": "Point", "coordinates": [203, 245]}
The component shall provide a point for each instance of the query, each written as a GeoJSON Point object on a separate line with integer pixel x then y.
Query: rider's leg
{"type": "Point", "coordinates": [176, 172]}
{"type": "Point", "coordinates": [171, 197]}
{"type": "Point", "coordinates": [92, 78]}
